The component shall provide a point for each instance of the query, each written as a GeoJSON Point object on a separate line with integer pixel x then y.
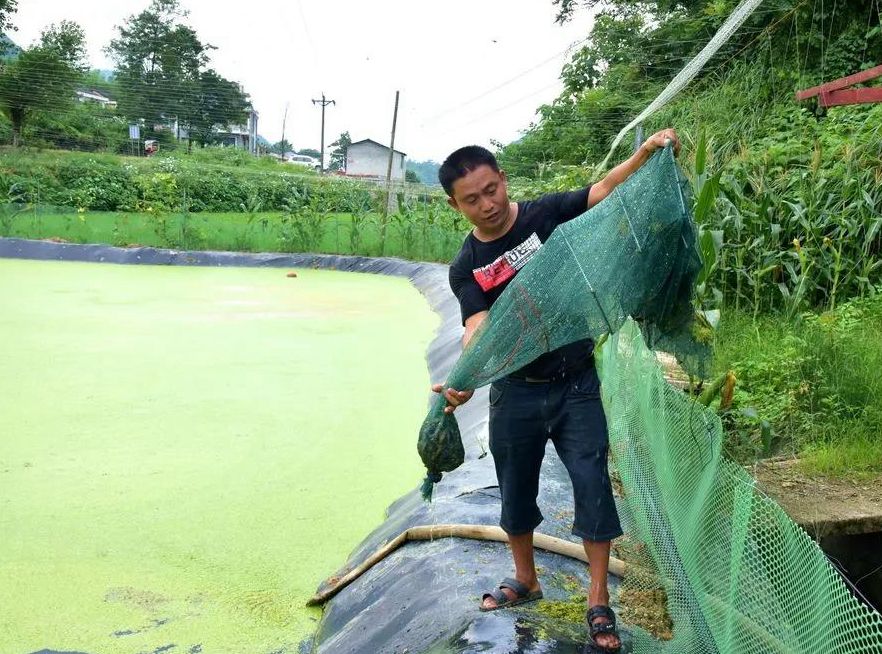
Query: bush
{"type": "Point", "coordinates": [815, 381]}
{"type": "Point", "coordinates": [93, 184]}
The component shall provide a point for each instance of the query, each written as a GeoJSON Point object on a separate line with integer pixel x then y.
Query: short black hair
{"type": "Point", "coordinates": [463, 161]}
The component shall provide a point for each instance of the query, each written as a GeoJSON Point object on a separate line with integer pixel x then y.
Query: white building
{"type": "Point", "coordinates": [241, 136]}
{"type": "Point", "coordinates": [368, 158]}
{"type": "Point", "coordinates": [91, 95]}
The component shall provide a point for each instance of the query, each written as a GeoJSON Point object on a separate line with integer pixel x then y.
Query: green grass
{"type": "Point", "coordinates": [187, 452]}
{"type": "Point", "coordinates": [816, 381]}
{"type": "Point", "coordinates": [414, 237]}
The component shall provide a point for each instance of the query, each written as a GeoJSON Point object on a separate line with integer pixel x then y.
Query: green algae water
{"type": "Point", "coordinates": [186, 452]}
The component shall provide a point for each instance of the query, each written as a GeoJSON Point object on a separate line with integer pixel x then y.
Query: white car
{"type": "Point", "coordinates": [304, 160]}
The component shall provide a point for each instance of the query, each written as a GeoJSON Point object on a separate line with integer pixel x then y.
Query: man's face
{"type": "Point", "coordinates": [482, 197]}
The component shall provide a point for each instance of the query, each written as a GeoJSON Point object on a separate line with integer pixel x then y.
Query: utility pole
{"type": "Point", "coordinates": [392, 146]}
{"type": "Point", "coordinates": [389, 176]}
{"type": "Point", "coordinates": [324, 103]}
{"type": "Point", "coordinates": [284, 118]}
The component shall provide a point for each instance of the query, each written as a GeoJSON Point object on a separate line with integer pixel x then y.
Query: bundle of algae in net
{"type": "Point", "coordinates": [632, 255]}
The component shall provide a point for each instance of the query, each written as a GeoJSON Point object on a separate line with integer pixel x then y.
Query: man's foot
{"type": "Point", "coordinates": [602, 629]}
{"type": "Point", "coordinates": [510, 593]}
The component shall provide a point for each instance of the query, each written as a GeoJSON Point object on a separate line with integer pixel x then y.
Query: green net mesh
{"type": "Point", "coordinates": [713, 564]}
{"type": "Point", "coordinates": [632, 255]}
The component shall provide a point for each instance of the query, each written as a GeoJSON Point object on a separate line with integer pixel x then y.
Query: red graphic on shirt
{"type": "Point", "coordinates": [507, 265]}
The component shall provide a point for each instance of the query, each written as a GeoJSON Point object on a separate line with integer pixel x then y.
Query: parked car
{"type": "Point", "coordinates": [304, 160]}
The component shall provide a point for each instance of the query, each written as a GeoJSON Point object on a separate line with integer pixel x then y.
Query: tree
{"type": "Point", "coordinates": [338, 152]}
{"type": "Point", "coordinates": [213, 101]}
{"type": "Point", "coordinates": [310, 152]}
{"type": "Point", "coordinates": [67, 41]}
{"type": "Point", "coordinates": [281, 147]}
{"type": "Point", "coordinates": [158, 63]}
{"type": "Point", "coordinates": [43, 76]}
{"type": "Point", "coordinates": [411, 176]}
{"type": "Point", "coordinates": [7, 8]}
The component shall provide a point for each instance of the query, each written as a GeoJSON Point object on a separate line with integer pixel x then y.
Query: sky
{"type": "Point", "coordinates": [468, 71]}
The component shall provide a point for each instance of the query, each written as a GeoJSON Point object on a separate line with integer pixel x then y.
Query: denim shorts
{"type": "Point", "coordinates": [524, 415]}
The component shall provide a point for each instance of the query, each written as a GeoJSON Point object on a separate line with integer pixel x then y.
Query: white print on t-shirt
{"type": "Point", "coordinates": [507, 264]}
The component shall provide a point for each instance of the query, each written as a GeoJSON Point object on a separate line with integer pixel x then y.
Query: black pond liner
{"type": "Point", "coordinates": [423, 597]}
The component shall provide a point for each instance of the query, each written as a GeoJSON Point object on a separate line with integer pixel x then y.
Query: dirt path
{"type": "Point", "coordinates": [822, 505]}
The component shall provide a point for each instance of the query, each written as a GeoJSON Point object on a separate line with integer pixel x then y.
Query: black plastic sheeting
{"type": "Point", "coordinates": [424, 597]}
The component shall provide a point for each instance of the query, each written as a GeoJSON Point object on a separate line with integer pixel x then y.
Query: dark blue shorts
{"type": "Point", "coordinates": [524, 415]}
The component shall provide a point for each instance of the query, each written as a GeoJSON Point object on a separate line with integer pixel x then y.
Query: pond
{"type": "Point", "coordinates": [186, 452]}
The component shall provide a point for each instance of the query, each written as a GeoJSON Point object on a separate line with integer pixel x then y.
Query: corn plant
{"type": "Point", "coordinates": [406, 224]}
{"type": "Point", "coordinates": [301, 230]}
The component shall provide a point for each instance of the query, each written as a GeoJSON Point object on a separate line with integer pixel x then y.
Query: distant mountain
{"type": "Point", "coordinates": [427, 171]}
{"type": "Point", "coordinates": [8, 49]}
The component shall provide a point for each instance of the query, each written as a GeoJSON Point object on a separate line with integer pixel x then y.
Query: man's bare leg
{"type": "Point", "coordinates": [525, 567]}
{"type": "Point", "coordinates": [598, 565]}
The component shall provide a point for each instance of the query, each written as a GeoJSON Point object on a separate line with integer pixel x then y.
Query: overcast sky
{"type": "Point", "coordinates": [468, 70]}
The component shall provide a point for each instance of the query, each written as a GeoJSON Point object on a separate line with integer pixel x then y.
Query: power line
{"type": "Point", "coordinates": [506, 82]}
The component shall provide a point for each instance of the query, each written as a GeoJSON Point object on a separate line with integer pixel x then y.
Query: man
{"type": "Point", "coordinates": [556, 396]}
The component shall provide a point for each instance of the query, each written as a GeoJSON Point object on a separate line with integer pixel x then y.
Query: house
{"type": "Point", "coordinates": [93, 95]}
{"type": "Point", "coordinates": [243, 137]}
{"type": "Point", "coordinates": [240, 136]}
{"type": "Point", "coordinates": [367, 158]}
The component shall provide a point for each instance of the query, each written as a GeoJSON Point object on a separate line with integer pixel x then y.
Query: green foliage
{"type": "Point", "coordinates": [43, 76]}
{"type": "Point", "coordinates": [184, 200]}
{"type": "Point", "coordinates": [86, 126]}
{"type": "Point", "coordinates": [338, 152]}
{"type": "Point", "coordinates": [7, 8]}
{"type": "Point", "coordinates": [810, 386]}
{"type": "Point", "coordinates": [161, 74]}
{"type": "Point", "coordinates": [212, 101]}
{"type": "Point", "coordinates": [215, 179]}
{"type": "Point", "coordinates": [801, 217]}
{"type": "Point", "coordinates": [790, 202]}
{"type": "Point", "coordinates": [302, 226]}
{"type": "Point", "coordinates": [67, 41]}
{"type": "Point", "coordinates": [281, 147]}
{"type": "Point", "coordinates": [426, 171]}
{"type": "Point", "coordinates": [96, 184]}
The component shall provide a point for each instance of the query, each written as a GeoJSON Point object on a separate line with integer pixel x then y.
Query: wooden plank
{"type": "Point", "coordinates": [840, 83]}
{"type": "Point", "coordinates": [851, 96]}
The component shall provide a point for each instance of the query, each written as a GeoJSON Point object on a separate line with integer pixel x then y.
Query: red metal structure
{"type": "Point", "coordinates": [837, 92]}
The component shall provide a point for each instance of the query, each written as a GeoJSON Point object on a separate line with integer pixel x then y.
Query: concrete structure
{"type": "Point", "coordinates": [367, 158]}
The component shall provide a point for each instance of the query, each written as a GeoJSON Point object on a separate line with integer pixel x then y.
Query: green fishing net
{"type": "Point", "coordinates": [632, 255]}
{"type": "Point", "coordinates": [713, 565]}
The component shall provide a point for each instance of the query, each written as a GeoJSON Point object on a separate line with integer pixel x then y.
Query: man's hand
{"type": "Point", "coordinates": [454, 397]}
{"type": "Point", "coordinates": [624, 170]}
{"type": "Point", "coordinates": [657, 141]}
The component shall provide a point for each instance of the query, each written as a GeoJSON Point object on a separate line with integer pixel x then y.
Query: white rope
{"type": "Point", "coordinates": [690, 70]}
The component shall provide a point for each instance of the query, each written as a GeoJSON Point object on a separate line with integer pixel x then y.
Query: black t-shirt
{"type": "Point", "coordinates": [482, 270]}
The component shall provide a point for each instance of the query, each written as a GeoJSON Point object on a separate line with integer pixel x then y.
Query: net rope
{"type": "Point", "coordinates": [690, 70]}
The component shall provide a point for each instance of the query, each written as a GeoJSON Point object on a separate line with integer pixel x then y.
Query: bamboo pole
{"type": "Point", "coordinates": [474, 532]}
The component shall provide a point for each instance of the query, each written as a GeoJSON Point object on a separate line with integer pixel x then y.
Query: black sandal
{"type": "Point", "coordinates": [597, 628]}
{"type": "Point", "coordinates": [522, 595]}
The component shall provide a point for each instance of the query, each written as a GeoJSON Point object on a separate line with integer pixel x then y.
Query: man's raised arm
{"type": "Point", "coordinates": [624, 170]}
